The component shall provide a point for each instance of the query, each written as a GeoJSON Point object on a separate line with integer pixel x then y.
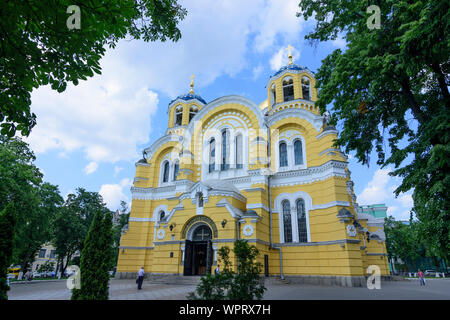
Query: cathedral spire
{"type": "Point", "coordinates": [192, 84]}
{"type": "Point", "coordinates": [289, 50]}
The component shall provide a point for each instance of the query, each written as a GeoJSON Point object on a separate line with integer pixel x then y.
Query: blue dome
{"type": "Point", "coordinates": [189, 96]}
{"type": "Point", "coordinates": [289, 67]}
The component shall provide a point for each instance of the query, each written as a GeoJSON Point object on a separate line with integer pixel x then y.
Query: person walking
{"type": "Point", "coordinates": [217, 271]}
{"type": "Point", "coordinates": [421, 277]}
{"type": "Point", "coordinates": [140, 278]}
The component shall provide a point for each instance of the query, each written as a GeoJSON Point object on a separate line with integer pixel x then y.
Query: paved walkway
{"type": "Point", "coordinates": [126, 290]}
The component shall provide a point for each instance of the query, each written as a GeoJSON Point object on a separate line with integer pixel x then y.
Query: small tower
{"type": "Point", "coordinates": [291, 82]}
{"type": "Point", "coordinates": [184, 107]}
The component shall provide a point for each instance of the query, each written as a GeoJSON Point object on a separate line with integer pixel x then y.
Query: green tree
{"type": "Point", "coordinates": [35, 202]}
{"type": "Point", "coordinates": [38, 47]}
{"type": "Point", "coordinates": [72, 224]}
{"type": "Point", "coordinates": [7, 224]}
{"type": "Point", "coordinates": [34, 222]}
{"type": "Point", "coordinates": [384, 77]}
{"type": "Point", "coordinates": [228, 285]}
{"type": "Point", "coordinates": [402, 241]}
{"type": "Point", "coordinates": [117, 229]}
{"type": "Point", "coordinates": [68, 231]}
{"type": "Point", "coordinates": [48, 266]}
{"type": "Point", "coordinates": [96, 260]}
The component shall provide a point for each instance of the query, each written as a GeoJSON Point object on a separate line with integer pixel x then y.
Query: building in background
{"type": "Point", "coordinates": [47, 254]}
{"type": "Point", "coordinates": [376, 210]}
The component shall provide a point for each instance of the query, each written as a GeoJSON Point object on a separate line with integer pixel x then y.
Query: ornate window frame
{"type": "Point", "coordinates": [290, 153]}
{"type": "Point", "coordinates": [288, 86]}
{"type": "Point", "coordinates": [309, 87]}
{"type": "Point", "coordinates": [292, 198]}
{"type": "Point", "coordinates": [216, 134]}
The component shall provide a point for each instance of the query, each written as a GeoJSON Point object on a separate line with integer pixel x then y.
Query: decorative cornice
{"type": "Point", "coordinates": [320, 243]}
{"type": "Point", "coordinates": [279, 74]}
{"type": "Point", "coordinates": [327, 132]}
{"type": "Point", "coordinates": [136, 248]}
{"type": "Point", "coordinates": [315, 120]}
{"type": "Point", "coordinates": [141, 219]}
{"type": "Point", "coordinates": [332, 168]}
{"type": "Point", "coordinates": [257, 206]}
{"type": "Point", "coordinates": [234, 212]}
{"type": "Point", "coordinates": [161, 141]}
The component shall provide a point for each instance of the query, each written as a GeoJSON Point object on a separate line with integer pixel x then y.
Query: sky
{"type": "Point", "coordinates": [91, 135]}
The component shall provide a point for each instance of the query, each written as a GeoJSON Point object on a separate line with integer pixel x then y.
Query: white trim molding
{"type": "Point", "coordinates": [315, 120]}
{"type": "Point", "coordinates": [292, 198]}
{"type": "Point", "coordinates": [329, 169]}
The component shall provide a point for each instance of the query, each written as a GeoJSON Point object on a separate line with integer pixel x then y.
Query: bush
{"type": "Point", "coordinates": [95, 260]}
{"type": "Point", "coordinates": [227, 285]}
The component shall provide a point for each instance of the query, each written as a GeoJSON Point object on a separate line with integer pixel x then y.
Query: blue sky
{"type": "Point", "coordinates": [91, 135]}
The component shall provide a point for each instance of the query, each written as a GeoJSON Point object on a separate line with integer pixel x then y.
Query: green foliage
{"type": "Point", "coordinates": [72, 224]}
{"type": "Point", "coordinates": [48, 266]}
{"type": "Point", "coordinates": [402, 241]}
{"type": "Point", "coordinates": [227, 285]}
{"type": "Point", "coordinates": [96, 260]}
{"type": "Point", "coordinates": [36, 202]}
{"type": "Point", "coordinates": [39, 49]}
{"type": "Point", "coordinates": [391, 85]}
{"type": "Point", "coordinates": [7, 223]}
{"type": "Point", "coordinates": [117, 230]}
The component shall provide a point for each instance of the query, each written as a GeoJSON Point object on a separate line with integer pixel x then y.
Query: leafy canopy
{"type": "Point", "coordinates": [390, 86]}
{"type": "Point", "coordinates": [36, 202]}
{"type": "Point", "coordinates": [37, 47]}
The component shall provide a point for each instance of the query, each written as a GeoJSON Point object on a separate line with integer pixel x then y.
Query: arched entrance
{"type": "Point", "coordinates": [198, 255]}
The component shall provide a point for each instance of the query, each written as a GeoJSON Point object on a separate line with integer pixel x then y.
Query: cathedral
{"type": "Point", "coordinates": [269, 174]}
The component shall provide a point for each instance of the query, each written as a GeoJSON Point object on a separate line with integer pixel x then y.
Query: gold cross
{"type": "Point", "coordinates": [192, 84]}
{"type": "Point", "coordinates": [289, 50]}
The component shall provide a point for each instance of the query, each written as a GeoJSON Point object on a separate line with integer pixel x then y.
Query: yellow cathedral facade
{"type": "Point", "coordinates": [231, 169]}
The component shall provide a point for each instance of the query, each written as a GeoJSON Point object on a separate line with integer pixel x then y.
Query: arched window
{"type": "Point", "coordinates": [202, 233]}
{"type": "Point", "coordinates": [192, 111]}
{"type": "Point", "coordinates": [301, 221]}
{"type": "Point", "coordinates": [273, 94]}
{"type": "Point", "coordinates": [212, 155]}
{"type": "Point", "coordinates": [283, 155]}
{"type": "Point", "coordinates": [306, 88]}
{"type": "Point", "coordinates": [288, 89]}
{"type": "Point", "coordinates": [238, 151]}
{"type": "Point", "coordinates": [225, 150]}
{"type": "Point", "coordinates": [298, 152]}
{"type": "Point", "coordinates": [166, 171]}
{"type": "Point", "coordinates": [178, 115]}
{"type": "Point", "coordinates": [162, 215]}
{"type": "Point", "coordinates": [176, 168]}
{"type": "Point", "coordinates": [287, 221]}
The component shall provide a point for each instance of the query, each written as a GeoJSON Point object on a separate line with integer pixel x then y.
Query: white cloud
{"type": "Point", "coordinates": [91, 167]}
{"type": "Point", "coordinates": [112, 194]}
{"type": "Point", "coordinates": [375, 191]}
{"type": "Point", "coordinates": [117, 169]}
{"type": "Point", "coordinates": [278, 19]}
{"type": "Point", "coordinates": [406, 200]}
{"type": "Point", "coordinates": [280, 58]}
{"type": "Point", "coordinates": [107, 116]}
{"type": "Point", "coordinates": [381, 190]}
{"type": "Point", "coordinates": [257, 71]}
